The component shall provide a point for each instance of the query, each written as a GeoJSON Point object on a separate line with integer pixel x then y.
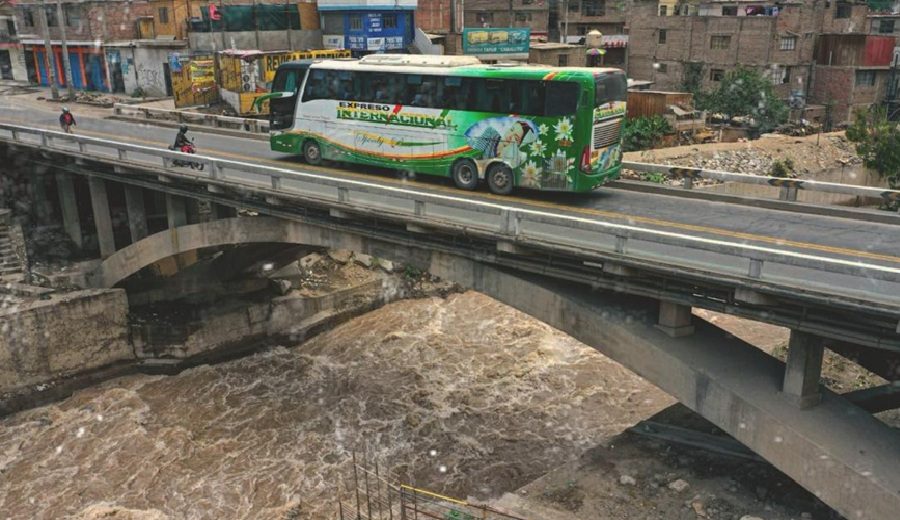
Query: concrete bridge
{"type": "Point", "coordinates": [625, 287]}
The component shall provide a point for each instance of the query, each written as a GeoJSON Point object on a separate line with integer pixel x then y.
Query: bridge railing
{"type": "Point", "coordinates": [244, 124]}
{"type": "Point", "coordinates": [788, 188]}
{"type": "Point", "coordinates": [864, 279]}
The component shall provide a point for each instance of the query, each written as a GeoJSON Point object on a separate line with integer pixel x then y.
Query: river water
{"type": "Point", "coordinates": [460, 395]}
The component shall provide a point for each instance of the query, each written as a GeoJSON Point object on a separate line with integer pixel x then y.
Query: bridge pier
{"type": "Point", "coordinates": [176, 211]}
{"type": "Point", "coordinates": [137, 214]}
{"type": "Point", "coordinates": [102, 219]}
{"type": "Point", "coordinates": [675, 319]}
{"type": "Point", "coordinates": [68, 203]}
{"type": "Point", "coordinates": [803, 369]}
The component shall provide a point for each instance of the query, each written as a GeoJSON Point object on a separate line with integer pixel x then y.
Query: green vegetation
{"type": "Point", "coordinates": [782, 168]}
{"type": "Point", "coordinates": [643, 133]}
{"type": "Point", "coordinates": [746, 92]}
{"type": "Point", "coordinates": [878, 144]}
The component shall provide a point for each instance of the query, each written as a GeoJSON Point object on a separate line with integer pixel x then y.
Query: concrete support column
{"type": "Point", "coordinates": [43, 209]}
{"type": "Point", "coordinates": [68, 203]}
{"type": "Point", "coordinates": [803, 369]}
{"type": "Point", "coordinates": [137, 214]}
{"type": "Point", "coordinates": [675, 320]}
{"type": "Point", "coordinates": [102, 219]}
{"type": "Point", "coordinates": [176, 211]}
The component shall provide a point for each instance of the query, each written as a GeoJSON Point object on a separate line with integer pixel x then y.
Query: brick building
{"type": "Point", "coordinates": [534, 14]}
{"type": "Point", "coordinates": [12, 59]}
{"type": "Point", "coordinates": [688, 46]}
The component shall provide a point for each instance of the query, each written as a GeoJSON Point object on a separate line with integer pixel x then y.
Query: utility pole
{"type": "Point", "coordinates": [511, 21]}
{"type": "Point", "coordinates": [256, 23]}
{"type": "Point", "coordinates": [48, 50]}
{"type": "Point", "coordinates": [67, 66]}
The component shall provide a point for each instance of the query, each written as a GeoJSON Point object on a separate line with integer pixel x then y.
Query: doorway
{"type": "Point", "coordinates": [167, 76]}
{"type": "Point", "coordinates": [5, 65]}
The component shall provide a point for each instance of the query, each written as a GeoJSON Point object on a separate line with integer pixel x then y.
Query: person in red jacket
{"type": "Point", "coordinates": [67, 120]}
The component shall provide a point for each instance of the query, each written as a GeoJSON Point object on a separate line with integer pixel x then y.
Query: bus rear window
{"type": "Point", "coordinates": [610, 87]}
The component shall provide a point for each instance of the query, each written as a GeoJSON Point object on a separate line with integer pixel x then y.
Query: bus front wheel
{"type": "Point", "coordinates": [465, 174]}
{"type": "Point", "coordinates": [312, 152]}
{"type": "Point", "coordinates": [500, 179]}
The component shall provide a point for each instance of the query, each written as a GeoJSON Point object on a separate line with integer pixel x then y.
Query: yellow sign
{"type": "Point", "coordinates": [270, 62]}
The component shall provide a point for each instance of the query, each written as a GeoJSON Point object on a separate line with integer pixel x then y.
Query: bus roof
{"type": "Point", "coordinates": [438, 65]}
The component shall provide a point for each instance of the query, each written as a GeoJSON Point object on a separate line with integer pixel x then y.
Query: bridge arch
{"type": "Point", "coordinates": [731, 383]}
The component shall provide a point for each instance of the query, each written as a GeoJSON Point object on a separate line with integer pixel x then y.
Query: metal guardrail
{"type": "Point", "coordinates": [788, 188]}
{"type": "Point", "coordinates": [837, 275]}
{"type": "Point", "coordinates": [244, 124]}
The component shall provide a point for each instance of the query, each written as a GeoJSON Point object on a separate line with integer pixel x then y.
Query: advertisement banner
{"type": "Point", "coordinates": [512, 40]}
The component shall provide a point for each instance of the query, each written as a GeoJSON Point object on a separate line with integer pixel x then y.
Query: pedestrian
{"type": "Point", "coordinates": [67, 120]}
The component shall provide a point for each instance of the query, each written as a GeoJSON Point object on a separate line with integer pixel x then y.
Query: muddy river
{"type": "Point", "coordinates": [460, 395]}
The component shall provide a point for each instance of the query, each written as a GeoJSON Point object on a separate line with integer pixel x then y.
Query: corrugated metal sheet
{"type": "Point", "coordinates": [879, 50]}
{"type": "Point", "coordinates": [651, 102]}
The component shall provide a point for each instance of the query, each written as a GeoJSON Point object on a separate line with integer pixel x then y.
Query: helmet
{"type": "Point", "coordinates": [65, 109]}
{"type": "Point", "coordinates": [183, 128]}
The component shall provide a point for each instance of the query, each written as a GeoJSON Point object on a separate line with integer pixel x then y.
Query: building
{"type": "Point", "coordinates": [12, 57]}
{"type": "Point", "coordinates": [534, 14]}
{"type": "Point", "coordinates": [557, 54]}
{"type": "Point", "coordinates": [579, 17]}
{"type": "Point", "coordinates": [436, 16]}
{"type": "Point", "coordinates": [796, 44]}
{"type": "Point", "coordinates": [852, 71]}
{"type": "Point", "coordinates": [273, 25]}
{"type": "Point", "coordinates": [367, 26]}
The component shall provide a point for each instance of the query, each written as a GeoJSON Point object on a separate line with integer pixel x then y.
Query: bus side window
{"type": "Point", "coordinates": [315, 85]}
{"type": "Point", "coordinates": [561, 98]}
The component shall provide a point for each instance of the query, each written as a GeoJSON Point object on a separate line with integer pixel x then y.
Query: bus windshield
{"type": "Point", "coordinates": [286, 80]}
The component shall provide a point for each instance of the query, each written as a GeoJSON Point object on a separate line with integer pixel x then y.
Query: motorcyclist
{"type": "Point", "coordinates": [66, 120]}
{"type": "Point", "coordinates": [181, 139]}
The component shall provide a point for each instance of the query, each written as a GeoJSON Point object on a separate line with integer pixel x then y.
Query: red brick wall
{"type": "Point", "coordinates": [433, 16]}
{"type": "Point", "coordinates": [834, 84]}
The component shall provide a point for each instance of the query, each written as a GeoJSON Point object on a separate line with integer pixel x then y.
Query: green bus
{"type": "Point", "coordinates": [537, 127]}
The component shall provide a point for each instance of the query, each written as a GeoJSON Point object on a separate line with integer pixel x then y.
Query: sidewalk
{"type": "Point", "coordinates": [39, 98]}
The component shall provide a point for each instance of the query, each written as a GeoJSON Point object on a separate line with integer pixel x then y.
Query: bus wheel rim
{"type": "Point", "coordinates": [466, 174]}
{"type": "Point", "coordinates": [501, 177]}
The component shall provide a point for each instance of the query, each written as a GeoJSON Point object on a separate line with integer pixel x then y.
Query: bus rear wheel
{"type": "Point", "coordinates": [465, 174]}
{"type": "Point", "coordinates": [312, 152]}
{"type": "Point", "coordinates": [500, 179]}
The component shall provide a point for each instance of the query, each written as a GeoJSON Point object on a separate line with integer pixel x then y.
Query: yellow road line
{"type": "Point", "coordinates": [554, 206]}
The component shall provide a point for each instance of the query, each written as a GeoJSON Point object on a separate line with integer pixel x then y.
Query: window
{"type": "Point", "coordinates": [528, 97]}
{"type": "Point", "coordinates": [389, 21]}
{"type": "Point", "coordinates": [780, 75]}
{"type": "Point", "coordinates": [485, 19]}
{"type": "Point", "coordinates": [886, 27]}
{"type": "Point", "coordinates": [523, 17]}
{"type": "Point", "coordinates": [787, 43]}
{"type": "Point", "coordinates": [593, 7]}
{"type": "Point", "coordinates": [662, 68]}
{"type": "Point", "coordinates": [662, 36]}
{"type": "Point", "coordinates": [72, 12]}
{"type": "Point", "coordinates": [663, 10]}
{"type": "Point", "coordinates": [11, 27]}
{"type": "Point", "coordinates": [719, 42]}
{"type": "Point", "coordinates": [527, 2]}
{"type": "Point", "coordinates": [574, 6]}
{"type": "Point", "coordinates": [356, 22]}
{"type": "Point", "coordinates": [563, 60]}
{"type": "Point", "coordinates": [716, 74]}
{"type": "Point", "coordinates": [610, 87]}
{"type": "Point", "coordinates": [164, 15]}
{"type": "Point", "coordinates": [729, 10]}
{"type": "Point", "coordinates": [28, 17]}
{"type": "Point", "coordinates": [865, 78]}
{"type": "Point", "coordinates": [52, 20]}
{"type": "Point", "coordinates": [842, 10]}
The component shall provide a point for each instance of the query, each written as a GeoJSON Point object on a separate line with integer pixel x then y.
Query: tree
{"type": "Point", "coordinates": [877, 142]}
{"type": "Point", "coordinates": [747, 93]}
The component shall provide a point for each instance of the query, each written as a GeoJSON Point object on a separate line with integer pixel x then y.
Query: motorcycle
{"type": "Point", "coordinates": [187, 148]}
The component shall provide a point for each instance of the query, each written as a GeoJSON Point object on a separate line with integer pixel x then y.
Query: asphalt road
{"type": "Point", "coordinates": [847, 239]}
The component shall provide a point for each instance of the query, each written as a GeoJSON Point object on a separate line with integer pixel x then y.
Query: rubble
{"type": "Point", "coordinates": [678, 485]}
{"type": "Point", "coordinates": [627, 480]}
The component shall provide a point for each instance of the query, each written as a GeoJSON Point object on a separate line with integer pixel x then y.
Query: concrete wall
{"type": "Point", "coordinates": [268, 40]}
{"type": "Point", "coordinates": [67, 335]}
{"type": "Point", "coordinates": [148, 72]}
